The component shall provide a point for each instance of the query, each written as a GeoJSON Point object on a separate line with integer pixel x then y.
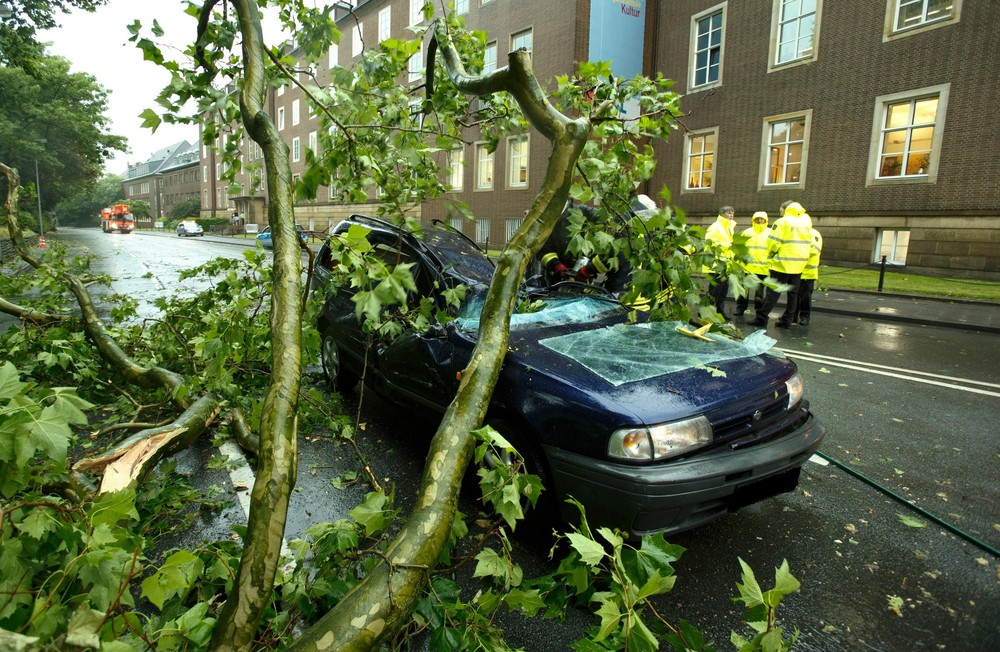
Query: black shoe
{"type": "Point", "coordinates": [781, 323]}
{"type": "Point", "coordinates": [803, 321]}
{"type": "Point", "coordinates": [757, 322]}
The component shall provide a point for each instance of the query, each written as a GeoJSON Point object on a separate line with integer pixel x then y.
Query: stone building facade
{"type": "Point", "coordinates": [168, 176]}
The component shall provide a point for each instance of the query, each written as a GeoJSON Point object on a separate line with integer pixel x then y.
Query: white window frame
{"type": "Point", "coordinates": [281, 91]}
{"type": "Point", "coordinates": [457, 222]}
{"type": "Point", "coordinates": [778, 21]}
{"type": "Point", "coordinates": [875, 151]}
{"type": "Point", "coordinates": [296, 149]}
{"type": "Point", "coordinates": [523, 39]}
{"type": "Point", "coordinates": [482, 230]}
{"type": "Point", "coordinates": [894, 246]}
{"type": "Point", "coordinates": [461, 7]}
{"type": "Point", "coordinates": [514, 181]}
{"type": "Point", "coordinates": [415, 66]}
{"type": "Point", "coordinates": [490, 62]}
{"type": "Point", "coordinates": [481, 151]}
{"type": "Point", "coordinates": [689, 156]}
{"type": "Point", "coordinates": [511, 225]}
{"type": "Point", "coordinates": [314, 142]}
{"type": "Point", "coordinates": [357, 42]}
{"type": "Point", "coordinates": [765, 158]}
{"type": "Point", "coordinates": [333, 55]}
{"type": "Point", "coordinates": [384, 23]}
{"type": "Point", "coordinates": [416, 12]}
{"type": "Point", "coordinates": [456, 169]}
{"type": "Point", "coordinates": [693, 50]}
{"type": "Point", "coordinates": [281, 118]}
{"type": "Point", "coordinates": [295, 112]}
{"type": "Point", "coordinates": [892, 8]}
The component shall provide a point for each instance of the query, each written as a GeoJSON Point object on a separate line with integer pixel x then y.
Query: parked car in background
{"type": "Point", "coordinates": [264, 237]}
{"type": "Point", "coordinates": [650, 429]}
{"type": "Point", "coordinates": [189, 228]}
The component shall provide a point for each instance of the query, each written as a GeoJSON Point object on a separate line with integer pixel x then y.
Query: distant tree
{"type": "Point", "coordinates": [55, 119]}
{"type": "Point", "coordinates": [138, 207]}
{"type": "Point", "coordinates": [185, 208]}
{"type": "Point", "coordinates": [19, 46]}
{"type": "Point", "coordinates": [83, 208]}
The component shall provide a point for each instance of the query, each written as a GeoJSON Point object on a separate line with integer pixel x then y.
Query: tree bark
{"type": "Point", "coordinates": [240, 617]}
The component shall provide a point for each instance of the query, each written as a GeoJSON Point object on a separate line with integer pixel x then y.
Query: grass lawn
{"type": "Point", "coordinates": [901, 282]}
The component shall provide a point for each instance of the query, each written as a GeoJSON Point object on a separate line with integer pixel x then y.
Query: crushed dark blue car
{"type": "Point", "coordinates": [651, 430]}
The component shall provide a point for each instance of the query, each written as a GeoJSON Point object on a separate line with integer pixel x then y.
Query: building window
{"type": "Point", "coordinates": [457, 223]}
{"type": "Point", "coordinates": [296, 150]}
{"type": "Point", "coordinates": [416, 12]}
{"type": "Point", "coordinates": [511, 226]}
{"type": "Point", "coordinates": [909, 15]}
{"type": "Point", "coordinates": [907, 135]}
{"type": "Point", "coordinates": [204, 172]}
{"type": "Point", "coordinates": [313, 142]}
{"type": "Point", "coordinates": [218, 171]}
{"type": "Point", "coordinates": [706, 55]}
{"type": "Point", "coordinates": [785, 146]}
{"type": "Point", "coordinates": [699, 158]}
{"type": "Point", "coordinates": [483, 230]}
{"type": "Point", "coordinates": [893, 244]}
{"type": "Point", "coordinates": [281, 118]}
{"type": "Point", "coordinates": [795, 29]}
{"type": "Point", "coordinates": [484, 167]}
{"type": "Point", "coordinates": [357, 44]}
{"type": "Point", "coordinates": [910, 136]}
{"type": "Point", "coordinates": [384, 22]}
{"type": "Point", "coordinates": [490, 57]}
{"type": "Point", "coordinates": [456, 168]}
{"type": "Point", "coordinates": [281, 91]}
{"type": "Point", "coordinates": [521, 40]}
{"type": "Point", "coordinates": [461, 7]}
{"type": "Point", "coordinates": [295, 112]}
{"type": "Point", "coordinates": [517, 162]}
{"type": "Point", "coordinates": [333, 55]}
{"type": "Point", "coordinates": [415, 66]}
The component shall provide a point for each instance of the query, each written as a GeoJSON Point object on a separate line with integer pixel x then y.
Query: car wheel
{"type": "Point", "coordinates": [339, 379]}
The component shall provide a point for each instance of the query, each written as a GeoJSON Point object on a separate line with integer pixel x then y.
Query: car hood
{"type": "Point", "coordinates": [643, 373]}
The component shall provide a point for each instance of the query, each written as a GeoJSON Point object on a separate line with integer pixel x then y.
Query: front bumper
{"type": "Point", "coordinates": [674, 496]}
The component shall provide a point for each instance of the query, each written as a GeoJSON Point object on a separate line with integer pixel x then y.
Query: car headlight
{"type": "Point", "coordinates": [795, 389]}
{"type": "Point", "coordinates": [660, 441]}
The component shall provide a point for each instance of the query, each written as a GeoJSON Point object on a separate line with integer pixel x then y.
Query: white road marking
{"type": "Point", "coordinates": [904, 374]}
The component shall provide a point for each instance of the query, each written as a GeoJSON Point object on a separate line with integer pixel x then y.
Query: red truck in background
{"type": "Point", "coordinates": [117, 218]}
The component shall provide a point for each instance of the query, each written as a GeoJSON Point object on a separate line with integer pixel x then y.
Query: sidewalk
{"type": "Point", "coordinates": [933, 311]}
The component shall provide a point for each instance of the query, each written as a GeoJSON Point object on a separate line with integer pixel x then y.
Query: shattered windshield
{"type": "Point", "coordinates": [555, 310]}
{"type": "Point", "coordinates": [626, 353]}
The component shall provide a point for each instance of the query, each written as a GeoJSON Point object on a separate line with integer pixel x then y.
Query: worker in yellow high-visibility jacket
{"type": "Point", "coordinates": [756, 263]}
{"type": "Point", "coordinates": [809, 277]}
{"type": "Point", "coordinates": [788, 245]}
{"type": "Point", "coordinates": [720, 232]}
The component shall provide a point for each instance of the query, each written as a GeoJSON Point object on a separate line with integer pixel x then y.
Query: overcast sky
{"type": "Point", "coordinates": [97, 43]}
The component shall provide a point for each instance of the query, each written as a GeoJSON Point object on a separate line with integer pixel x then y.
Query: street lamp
{"type": "Point", "coordinates": [38, 192]}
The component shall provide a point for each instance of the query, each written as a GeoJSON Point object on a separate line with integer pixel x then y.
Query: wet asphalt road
{"type": "Point", "coordinates": [912, 408]}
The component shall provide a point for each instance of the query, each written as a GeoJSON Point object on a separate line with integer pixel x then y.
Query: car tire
{"type": "Point", "coordinates": [339, 379]}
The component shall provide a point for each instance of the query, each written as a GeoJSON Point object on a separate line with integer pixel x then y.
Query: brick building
{"type": "Point", "coordinates": [168, 176]}
{"type": "Point", "coordinates": [840, 106]}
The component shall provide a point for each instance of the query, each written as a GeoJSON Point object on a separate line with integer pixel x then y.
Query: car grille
{"type": "Point", "coordinates": [757, 419]}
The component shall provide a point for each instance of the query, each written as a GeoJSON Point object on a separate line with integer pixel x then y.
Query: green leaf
{"type": "Point", "coordinates": [150, 119]}
{"type": "Point", "coordinates": [610, 615]}
{"type": "Point", "coordinates": [174, 578]}
{"type": "Point", "coordinates": [591, 552]}
{"type": "Point", "coordinates": [113, 507]}
{"type": "Point", "coordinates": [373, 514]}
{"type": "Point", "coordinates": [490, 564]}
{"type": "Point", "coordinates": [10, 384]}
{"type": "Point", "coordinates": [750, 593]}
{"type": "Point", "coordinates": [84, 627]}
{"type": "Point", "coordinates": [37, 523]}
{"type": "Point", "coordinates": [911, 521]}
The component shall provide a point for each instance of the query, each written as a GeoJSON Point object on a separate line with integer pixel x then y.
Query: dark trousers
{"type": "Point", "coordinates": [718, 288]}
{"type": "Point", "coordinates": [791, 298]}
{"type": "Point", "coordinates": [806, 286]}
{"type": "Point", "coordinates": [758, 297]}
